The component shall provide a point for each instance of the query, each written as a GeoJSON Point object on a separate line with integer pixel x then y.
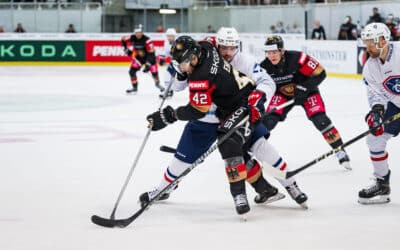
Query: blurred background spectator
{"type": "Point", "coordinates": [160, 29]}
{"type": "Point", "coordinates": [2, 30]}
{"type": "Point", "coordinates": [393, 27]}
{"type": "Point", "coordinates": [70, 29]}
{"type": "Point", "coordinates": [210, 29]}
{"type": "Point", "coordinates": [19, 28]}
{"type": "Point", "coordinates": [279, 27]}
{"type": "Point", "coordinates": [348, 30]}
{"type": "Point", "coordinates": [318, 33]}
{"type": "Point", "coordinates": [376, 17]}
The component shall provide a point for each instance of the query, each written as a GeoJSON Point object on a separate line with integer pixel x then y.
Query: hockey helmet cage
{"type": "Point", "coordinates": [228, 36]}
{"type": "Point", "coordinates": [273, 43]}
{"type": "Point", "coordinates": [183, 47]}
{"type": "Point", "coordinates": [374, 31]}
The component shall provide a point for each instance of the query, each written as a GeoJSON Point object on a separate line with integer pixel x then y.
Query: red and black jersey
{"type": "Point", "coordinates": [294, 68]}
{"type": "Point", "coordinates": [143, 48]}
{"type": "Point", "coordinates": [214, 81]}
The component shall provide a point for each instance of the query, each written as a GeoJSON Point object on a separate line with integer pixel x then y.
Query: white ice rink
{"type": "Point", "coordinates": [69, 135]}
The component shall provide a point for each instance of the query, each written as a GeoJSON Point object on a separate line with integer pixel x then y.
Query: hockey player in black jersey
{"type": "Point", "coordinates": [143, 57]}
{"type": "Point", "coordinates": [213, 82]}
{"type": "Point", "coordinates": [297, 75]}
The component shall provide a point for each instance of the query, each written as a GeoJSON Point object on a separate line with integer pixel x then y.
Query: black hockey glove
{"type": "Point", "coordinates": [300, 94]}
{"type": "Point", "coordinates": [256, 102]}
{"type": "Point", "coordinates": [128, 51]}
{"type": "Point", "coordinates": [374, 119]}
{"type": "Point", "coordinates": [160, 119]}
{"type": "Point", "coordinates": [146, 67]}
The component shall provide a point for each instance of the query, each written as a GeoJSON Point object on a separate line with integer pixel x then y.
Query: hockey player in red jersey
{"type": "Point", "coordinates": [143, 57]}
{"type": "Point", "coordinates": [297, 75]}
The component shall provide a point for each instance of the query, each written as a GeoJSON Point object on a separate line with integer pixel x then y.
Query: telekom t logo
{"type": "Point", "coordinates": [312, 100]}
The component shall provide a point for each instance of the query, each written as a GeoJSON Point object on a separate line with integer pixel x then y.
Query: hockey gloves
{"type": "Point", "coordinates": [146, 67]}
{"type": "Point", "coordinates": [128, 51]}
{"type": "Point", "coordinates": [256, 102]}
{"type": "Point", "coordinates": [374, 119]}
{"type": "Point", "coordinates": [300, 94]}
{"type": "Point", "coordinates": [160, 119]}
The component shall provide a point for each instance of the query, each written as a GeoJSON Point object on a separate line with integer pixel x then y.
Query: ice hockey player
{"type": "Point", "coordinates": [213, 83]}
{"type": "Point", "coordinates": [170, 72]}
{"type": "Point", "coordinates": [143, 57]}
{"type": "Point", "coordinates": [228, 43]}
{"type": "Point", "coordinates": [381, 74]}
{"type": "Point", "coordinates": [297, 75]}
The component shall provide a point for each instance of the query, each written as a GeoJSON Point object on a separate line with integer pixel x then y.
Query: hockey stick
{"type": "Point", "coordinates": [146, 137]}
{"type": "Point", "coordinates": [288, 174]}
{"type": "Point", "coordinates": [112, 222]}
{"type": "Point", "coordinates": [167, 149]}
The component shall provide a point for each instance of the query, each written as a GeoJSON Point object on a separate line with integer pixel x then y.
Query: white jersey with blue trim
{"type": "Point", "coordinates": [383, 79]}
{"type": "Point", "coordinates": [249, 66]}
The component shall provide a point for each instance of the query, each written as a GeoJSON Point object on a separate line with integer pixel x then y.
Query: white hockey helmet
{"type": "Point", "coordinates": [374, 31]}
{"type": "Point", "coordinates": [170, 32]}
{"type": "Point", "coordinates": [138, 28]}
{"type": "Point", "coordinates": [228, 36]}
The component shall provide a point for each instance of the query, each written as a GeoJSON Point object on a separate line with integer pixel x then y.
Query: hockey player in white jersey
{"type": "Point", "coordinates": [170, 73]}
{"type": "Point", "coordinates": [228, 44]}
{"type": "Point", "coordinates": [381, 75]}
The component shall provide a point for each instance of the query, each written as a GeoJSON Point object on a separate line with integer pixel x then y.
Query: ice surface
{"type": "Point", "coordinates": [69, 135]}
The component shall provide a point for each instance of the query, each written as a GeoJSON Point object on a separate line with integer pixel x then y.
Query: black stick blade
{"type": "Point", "coordinates": [167, 149]}
{"type": "Point", "coordinates": [104, 222]}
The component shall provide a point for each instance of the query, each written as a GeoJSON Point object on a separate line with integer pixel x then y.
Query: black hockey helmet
{"type": "Point", "coordinates": [274, 42]}
{"type": "Point", "coordinates": [183, 47]}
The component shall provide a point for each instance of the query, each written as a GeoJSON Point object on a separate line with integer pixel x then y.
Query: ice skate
{"type": "Point", "coordinates": [161, 88]}
{"type": "Point", "coordinates": [241, 204]}
{"type": "Point", "coordinates": [377, 193]}
{"type": "Point", "coordinates": [133, 90]}
{"type": "Point", "coordinates": [344, 159]}
{"type": "Point", "coordinates": [268, 196]}
{"type": "Point", "coordinates": [297, 195]}
{"type": "Point", "coordinates": [147, 196]}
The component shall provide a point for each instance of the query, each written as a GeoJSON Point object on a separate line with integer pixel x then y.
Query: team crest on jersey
{"type": "Point", "coordinates": [198, 85]}
{"type": "Point", "coordinates": [288, 89]}
{"type": "Point", "coordinates": [392, 85]}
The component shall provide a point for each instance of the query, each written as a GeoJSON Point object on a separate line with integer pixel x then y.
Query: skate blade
{"type": "Point", "coordinates": [304, 205]}
{"type": "Point", "coordinates": [382, 199]}
{"type": "Point", "coordinates": [277, 197]}
{"type": "Point", "coordinates": [243, 217]}
{"type": "Point", "coordinates": [131, 93]}
{"type": "Point", "coordinates": [346, 166]}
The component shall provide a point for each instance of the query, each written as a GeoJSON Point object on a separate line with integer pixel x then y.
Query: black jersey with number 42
{"type": "Point", "coordinates": [216, 81]}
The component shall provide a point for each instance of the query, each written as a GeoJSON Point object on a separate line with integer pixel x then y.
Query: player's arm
{"type": "Point", "coordinates": [310, 72]}
{"type": "Point", "coordinates": [124, 41]}
{"type": "Point", "coordinates": [151, 55]}
{"type": "Point", "coordinates": [374, 93]}
{"type": "Point", "coordinates": [199, 104]}
{"type": "Point", "coordinates": [264, 82]}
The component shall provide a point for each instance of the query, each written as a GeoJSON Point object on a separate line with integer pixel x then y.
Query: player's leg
{"type": "Point", "coordinates": [265, 153]}
{"type": "Point", "coordinates": [196, 139]}
{"type": "Point", "coordinates": [154, 73]}
{"type": "Point", "coordinates": [379, 191]}
{"type": "Point", "coordinates": [315, 110]}
{"type": "Point", "coordinates": [133, 69]}
{"type": "Point", "coordinates": [266, 192]}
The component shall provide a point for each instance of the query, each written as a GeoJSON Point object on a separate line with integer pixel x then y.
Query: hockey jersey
{"type": "Point", "coordinates": [214, 81]}
{"type": "Point", "coordinates": [295, 67]}
{"type": "Point", "coordinates": [383, 79]}
{"type": "Point", "coordinates": [143, 48]}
